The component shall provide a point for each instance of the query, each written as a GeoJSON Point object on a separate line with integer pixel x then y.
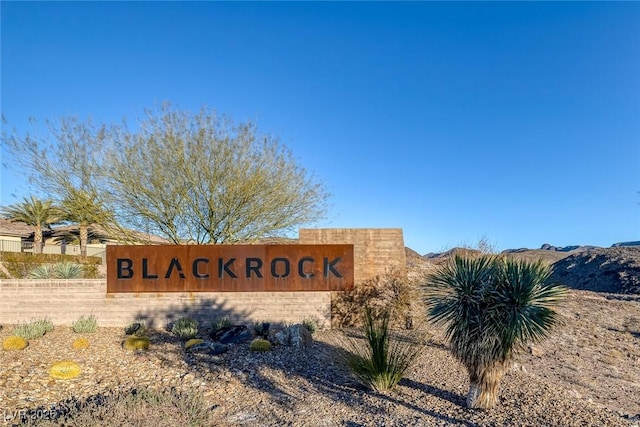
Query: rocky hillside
{"type": "Point", "coordinates": [610, 270]}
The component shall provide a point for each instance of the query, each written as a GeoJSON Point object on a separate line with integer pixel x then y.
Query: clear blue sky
{"type": "Point", "coordinates": [516, 121]}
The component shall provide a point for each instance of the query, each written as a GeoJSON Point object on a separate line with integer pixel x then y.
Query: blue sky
{"type": "Point", "coordinates": [511, 120]}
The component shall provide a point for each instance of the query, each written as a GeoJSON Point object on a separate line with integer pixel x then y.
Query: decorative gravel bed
{"type": "Point", "coordinates": [311, 387]}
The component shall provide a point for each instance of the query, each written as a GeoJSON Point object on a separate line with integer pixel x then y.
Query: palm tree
{"type": "Point", "coordinates": [84, 209]}
{"type": "Point", "coordinates": [490, 307]}
{"type": "Point", "coordinates": [35, 212]}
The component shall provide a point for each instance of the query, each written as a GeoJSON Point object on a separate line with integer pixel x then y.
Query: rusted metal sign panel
{"type": "Point", "coordinates": [229, 268]}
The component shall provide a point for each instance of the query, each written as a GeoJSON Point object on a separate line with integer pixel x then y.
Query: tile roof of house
{"type": "Point", "coordinates": [15, 228]}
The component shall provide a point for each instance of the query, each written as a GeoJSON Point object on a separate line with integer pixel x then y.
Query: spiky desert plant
{"type": "Point", "coordinates": [490, 307]}
{"type": "Point", "coordinates": [34, 329]}
{"type": "Point", "coordinates": [68, 270]}
{"type": "Point", "coordinates": [134, 343]}
{"type": "Point", "coordinates": [43, 271]}
{"type": "Point", "coordinates": [260, 344]}
{"type": "Point", "coordinates": [64, 370]}
{"type": "Point", "coordinates": [185, 328]}
{"type": "Point", "coordinates": [80, 343]}
{"type": "Point", "coordinates": [14, 343]}
{"type": "Point", "coordinates": [85, 325]}
{"type": "Point", "coordinates": [138, 328]}
{"type": "Point", "coordinates": [190, 343]}
{"type": "Point", "coordinates": [385, 358]}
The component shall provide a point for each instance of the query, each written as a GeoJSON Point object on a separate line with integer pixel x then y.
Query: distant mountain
{"type": "Point", "coordinates": [617, 245]}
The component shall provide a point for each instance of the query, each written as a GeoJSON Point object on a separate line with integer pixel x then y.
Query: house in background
{"type": "Point", "coordinates": [14, 234]}
{"type": "Point", "coordinates": [18, 237]}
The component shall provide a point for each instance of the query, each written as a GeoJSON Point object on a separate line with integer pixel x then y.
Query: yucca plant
{"type": "Point", "coordinates": [385, 359]}
{"type": "Point", "coordinates": [43, 271]}
{"type": "Point", "coordinates": [490, 307]}
{"type": "Point", "coordinates": [68, 270]}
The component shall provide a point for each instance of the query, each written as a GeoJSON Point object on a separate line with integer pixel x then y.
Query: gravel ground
{"type": "Point", "coordinates": [310, 387]}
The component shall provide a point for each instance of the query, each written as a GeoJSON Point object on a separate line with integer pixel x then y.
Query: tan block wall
{"type": "Point", "coordinates": [65, 301]}
{"type": "Point", "coordinates": [375, 250]}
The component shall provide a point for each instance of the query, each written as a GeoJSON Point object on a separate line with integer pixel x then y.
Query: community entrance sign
{"type": "Point", "coordinates": [229, 268]}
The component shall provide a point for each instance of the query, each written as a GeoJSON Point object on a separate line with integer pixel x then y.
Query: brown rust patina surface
{"type": "Point", "coordinates": [229, 268]}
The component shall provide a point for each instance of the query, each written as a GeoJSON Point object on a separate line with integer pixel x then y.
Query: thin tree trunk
{"type": "Point", "coordinates": [84, 236]}
{"type": "Point", "coordinates": [483, 387]}
{"type": "Point", "coordinates": [37, 240]}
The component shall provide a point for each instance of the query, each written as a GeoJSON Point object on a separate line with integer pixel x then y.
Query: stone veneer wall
{"type": "Point", "coordinates": [375, 250]}
{"type": "Point", "coordinates": [64, 301]}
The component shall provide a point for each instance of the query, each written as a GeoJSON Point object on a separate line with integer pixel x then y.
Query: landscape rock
{"type": "Point", "coordinates": [295, 336]}
{"type": "Point", "coordinates": [235, 334]}
{"type": "Point", "coordinates": [210, 348]}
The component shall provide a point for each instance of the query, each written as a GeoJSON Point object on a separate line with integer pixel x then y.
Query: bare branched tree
{"type": "Point", "coordinates": [192, 178]}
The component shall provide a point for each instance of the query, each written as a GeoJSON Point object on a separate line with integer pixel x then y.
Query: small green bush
{"type": "Point", "coordinates": [311, 325]}
{"type": "Point", "coordinates": [85, 325]}
{"type": "Point", "coordinates": [137, 328]}
{"type": "Point", "coordinates": [220, 323]}
{"type": "Point", "coordinates": [185, 328]}
{"type": "Point", "coordinates": [260, 344]}
{"type": "Point", "coordinates": [34, 329]}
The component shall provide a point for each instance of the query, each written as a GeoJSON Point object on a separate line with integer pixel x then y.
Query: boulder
{"type": "Point", "coordinates": [295, 336]}
{"type": "Point", "coordinates": [210, 348]}
{"type": "Point", "coordinates": [232, 335]}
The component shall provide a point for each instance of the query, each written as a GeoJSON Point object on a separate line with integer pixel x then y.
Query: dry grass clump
{"type": "Point", "coordinates": [140, 408]}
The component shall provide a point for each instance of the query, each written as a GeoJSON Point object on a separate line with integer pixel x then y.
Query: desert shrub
{"type": "Point", "coordinates": [34, 329]}
{"type": "Point", "coordinates": [384, 358]}
{"type": "Point", "coordinates": [91, 271]}
{"type": "Point", "coordinates": [392, 291]}
{"type": "Point", "coordinates": [260, 344]}
{"type": "Point", "coordinates": [490, 307]}
{"type": "Point", "coordinates": [185, 328]}
{"type": "Point", "coordinates": [61, 270]}
{"type": "Point", "coordinates": [135, 343]}
{"type": "Point", "coordinates": [85, 325]}
{"type": "Point", "coordinates": [80, 343]}
{"type": "Point", "coordinates": [19, 264]}
{"type": "Point", "coordinates": [43, 271]}
{"type": "Point", "coordinates": [311, 325]}
{"type": "Point", "coordinates": [138, 328]}
{"type": "Point", "coordinates": [190, 343]}
{"type": "Point", "coordinates": [14, 343]}
{"type": "Point", "coordinates": [220, 323]}
{"type": "Point", "coordinates": [64, 370]}
{"type": "Point", "coordinates": [139, 407]}
{"type": "Point", "coordinates": [68, 270]}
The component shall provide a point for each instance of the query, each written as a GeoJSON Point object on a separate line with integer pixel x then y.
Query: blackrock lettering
{"type": "Point", "coordinates": [229, 268]}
